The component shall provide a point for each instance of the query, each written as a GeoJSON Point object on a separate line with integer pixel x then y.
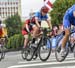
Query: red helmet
{"type": "Point", "coordinates": [44, 9]}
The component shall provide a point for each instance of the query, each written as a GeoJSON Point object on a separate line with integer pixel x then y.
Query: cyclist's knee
{"type": "Point", "coordinates": [26, 36]}
{"type": "Point", "coordinates": [36, 28]}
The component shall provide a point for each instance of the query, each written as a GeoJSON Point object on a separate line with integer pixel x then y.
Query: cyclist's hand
{"type": "Point", "coordinates": [6, 36]}
{"type": "Point", "coordinates": [39, 26]}
{"type": "Point", "coordinates": [49, 28]}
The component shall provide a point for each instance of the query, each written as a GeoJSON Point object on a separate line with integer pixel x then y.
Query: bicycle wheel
{"type": "Point", "coordinates": [58, 56]}
{"type": "Point", "coordinates": [35, 56]}
{"type": "Point", "coordinates": [3, 52]}
{"type": "Point", "coordinates": [23, 54]}
{"type": "Point", "coordinates": [74, 50]}
{"type": "Point", "coordinates": [27, 54]}
{"type": "Point", "coordinates": [0, 53]}
{"type": "Point", "coordinates": [45, 49]}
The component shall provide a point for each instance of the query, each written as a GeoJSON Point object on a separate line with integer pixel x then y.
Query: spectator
{"type": "Point", "coordinates": [60, 28]}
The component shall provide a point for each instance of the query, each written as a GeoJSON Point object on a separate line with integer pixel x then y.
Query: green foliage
{"type": "Point", "coordinates": [13, 24]}
{"type": "Point", "coordinates": [60, 7]}
{"type": "Point", "coordinates": [15, 42]}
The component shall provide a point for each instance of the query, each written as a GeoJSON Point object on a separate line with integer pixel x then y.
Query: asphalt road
{"type": "Point", "coordinates": [14, 60]}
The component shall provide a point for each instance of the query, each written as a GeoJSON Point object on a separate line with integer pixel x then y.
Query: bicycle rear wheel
{"type": "Point", "coordinates": [2, 53]}
{"type": "Point", "coordinates": [27, 53]}
{"type": "Point", "coordinates": [23, 54]}
{"type": "Point", "coordinates": [45, 49]}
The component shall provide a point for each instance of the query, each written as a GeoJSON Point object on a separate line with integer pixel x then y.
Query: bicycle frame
{"type": "Point", "coordinates": [42, 36]}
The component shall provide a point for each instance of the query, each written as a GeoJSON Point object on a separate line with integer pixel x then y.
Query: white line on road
{"type": "Point", "coordinates": [40, 64]}
{"type": "Point", "coordinates": [63, 67]}
{"type": "Point", "coordinates": [21, 62]}
{"type": "Point", "coordinates": [53, 59]}
{"type": "Point", "coordinates": [34, 61]}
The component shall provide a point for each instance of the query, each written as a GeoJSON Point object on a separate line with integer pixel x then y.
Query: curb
{"type": "Point", "coordinates": [12, 50]}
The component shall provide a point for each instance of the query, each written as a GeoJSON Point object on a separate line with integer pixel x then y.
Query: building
{"type": "Point", "coordinates": [9, 7]}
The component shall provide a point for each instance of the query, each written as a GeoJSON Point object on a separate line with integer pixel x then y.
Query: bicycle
{"type": "Point", "coordinates": [43, 43]}
{"type": "Point", "coordinates": [2, 47]}
{"type": "Point", "coordinates": [69, 47]}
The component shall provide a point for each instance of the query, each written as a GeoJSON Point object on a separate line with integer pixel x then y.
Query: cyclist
{"type": "Point", "coordinates": [55, 30]}
{"type": "Point", "coordinates": [68, 20]}
{"type": "Point", "coordinates": [3, 32]}
{"type": "Point", "coordinates": [39, 16]}
{"type": "Point", "coordinates": [27, 28]}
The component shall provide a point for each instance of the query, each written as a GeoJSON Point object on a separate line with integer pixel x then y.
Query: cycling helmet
{"type": "Point", "coordinates": [44, 9]}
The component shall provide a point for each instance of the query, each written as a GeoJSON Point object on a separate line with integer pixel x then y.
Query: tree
{"type": "Point", "coordinates": [59, 8]}
{"type": "Point", "coordinates": [13, 24]}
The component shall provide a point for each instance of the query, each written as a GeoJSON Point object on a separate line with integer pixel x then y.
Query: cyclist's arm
{"type": "Point", "coordinates": [36, 21]}
{"type": "Point", "coordinates": [48, 19]}
{"type": "Point", "coordinates": [49, 23]}
{"type": "Point", "coordinates": [27, 28]}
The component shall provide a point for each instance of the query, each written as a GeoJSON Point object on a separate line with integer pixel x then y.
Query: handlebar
{"type": "Point", "coordinates": [45, 29]}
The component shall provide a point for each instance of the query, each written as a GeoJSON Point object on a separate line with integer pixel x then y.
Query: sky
{"type": "Point", "coordinates": [31, 5]}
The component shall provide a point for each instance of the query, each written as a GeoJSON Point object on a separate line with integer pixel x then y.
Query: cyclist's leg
{"type": "Point", "coordinates": [26, 39]}
{"type": "Point", "coordinates": [66, 25]}
{"type": "Point", "coordinates": [35, 32]}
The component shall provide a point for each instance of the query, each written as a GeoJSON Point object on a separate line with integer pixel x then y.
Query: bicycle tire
{"type": "Point", "coordinates": [23, 54]}
{"type": "Point", "coordinates": [56, 51]}
{"type": "Point", "coordinates": [35, 56]}
{"type": "Point", "coordinates": [74, 50]}
{"type": "Point", "coordinates": [2, 53]}
{"type": "Point", "coordinates": [29, 59]}
{"type": "Point", "coordinates": [49, 52]}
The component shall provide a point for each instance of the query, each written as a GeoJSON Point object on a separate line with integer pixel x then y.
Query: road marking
{"type": "Point", "coordinates": [34, 61]}
{"type": "Point", "coordinates": [28, 61]}
{"type": "Point", "coordinates": [21, 62]}
{"type": "Point", "coordinates": [63, 67]}
{"type": "Point", "coordinates": [51, 59]}
{"type": "Point", "coordinates": [40, 64]}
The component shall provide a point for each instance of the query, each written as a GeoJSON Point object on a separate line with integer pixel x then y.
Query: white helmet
{"type": "Point", "coordinates": [3, 25]}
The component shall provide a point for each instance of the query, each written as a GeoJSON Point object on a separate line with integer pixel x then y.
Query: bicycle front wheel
{"type": "Point", "coordinates": [2, 53]}
{"type": "Point", "coordinates": [74, 50]}
{"type": "Point", "coordinates": [58, 56]}
{"type": "Point", "coordinates": [45, 49]}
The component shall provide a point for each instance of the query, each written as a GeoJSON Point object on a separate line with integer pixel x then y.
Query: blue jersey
{"type": "Point", "coordinates": [40, 17]}
{"type": "Point", "coordinates": [68, 18]}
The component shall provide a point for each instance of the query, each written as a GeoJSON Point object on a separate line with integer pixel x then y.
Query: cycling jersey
{"type": "Point", "coordinates": [28, 22]}
{"type": "Point", "coordinates": [3, 30]}
{"type": "Point", "coordinates": [40, 17]}
{"type": "Point", "coordinates": [68, 18]}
